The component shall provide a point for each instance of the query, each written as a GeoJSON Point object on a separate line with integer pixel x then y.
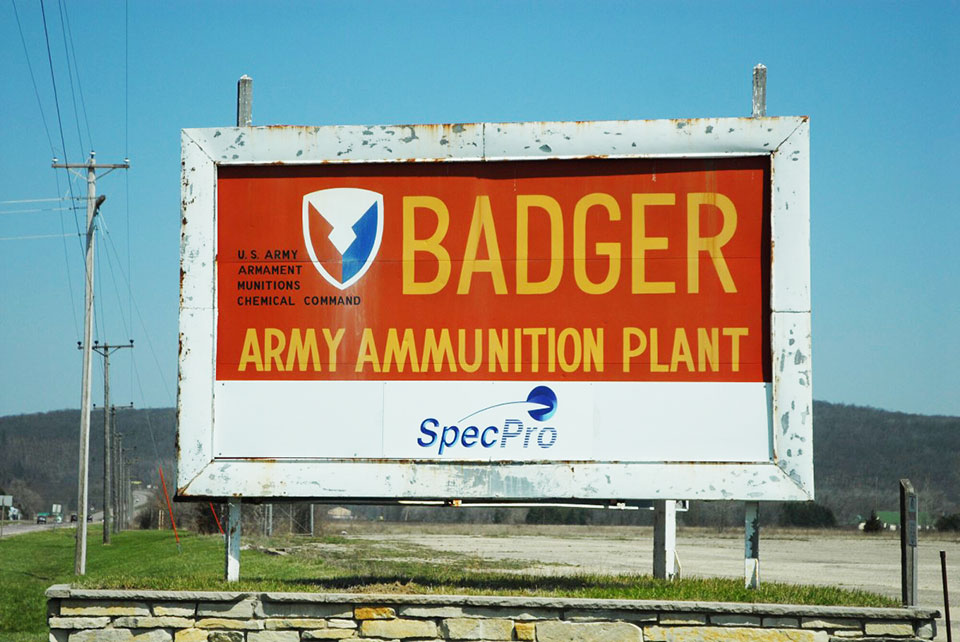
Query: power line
{"type": "Point", "coordinates": [56, 100]}
{"type": "Point", "coordinates": [40, 209]}
{"type": "Point", "coordinates": [113, 279]}
{"type": "Point", "coordinates": [63, 145]}
{"type": "Point", "coordinates": [36, 200]}
{"type": "Point", "coordinates": [33, 78]}
{"type": "Point", "coordinates": [143, 325]}
{"type": "Point", "coordinates": [76, 69]}
{"type": "Point", "coordinates": [73, 93]}
{"type": "Point", "coordinates": [126, 154]}
{"type": "Point", "coordinates": [30, 237]}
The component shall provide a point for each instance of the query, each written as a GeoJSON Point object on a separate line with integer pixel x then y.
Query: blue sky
{"type": "Point", "coordinates": [878, 81]}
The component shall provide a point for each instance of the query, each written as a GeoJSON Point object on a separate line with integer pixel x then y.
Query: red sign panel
{"type": "Point", "coordinates": [580, 270]}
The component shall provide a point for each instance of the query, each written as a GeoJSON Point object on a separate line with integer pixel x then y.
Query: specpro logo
{"type": "Point", "coordinates": [342, 230]}
{"type": "Point", "coordinates": [514, 432]}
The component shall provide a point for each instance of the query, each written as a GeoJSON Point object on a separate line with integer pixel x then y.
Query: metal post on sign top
{"type": "Point", "coordinates": [759, 91]}
{"type": "Point", "coordinates": [665, 539]}
{"type": "Point", "coordinates": [245, 101]}
{"type": "Point", "coordinates": [909, 553]}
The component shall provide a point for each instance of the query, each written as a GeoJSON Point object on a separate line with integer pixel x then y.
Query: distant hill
{"type": "Point", "coordinates": [859, 455]}
{"type": "Point", "coordinates": [39, 453]}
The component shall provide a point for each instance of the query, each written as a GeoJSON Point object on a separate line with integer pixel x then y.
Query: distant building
{"type": "Point", "coordinates": [339, 512]}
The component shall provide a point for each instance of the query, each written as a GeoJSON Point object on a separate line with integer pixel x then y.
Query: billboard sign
{"type": "Point", "coordinates": [511, 311]}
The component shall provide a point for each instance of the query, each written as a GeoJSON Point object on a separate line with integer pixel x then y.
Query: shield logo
{"type": "Point", "coordinates": [342, 229]}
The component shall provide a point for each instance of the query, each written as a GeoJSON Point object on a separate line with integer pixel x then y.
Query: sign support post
{"type": "Point", "coordinates": [751, 536]}
{"type": "Point", "coordinates": [909, 553]}
{"type": "Point", "coordinates": [5, 502]}
{"type": "Point", "coordinates": [665, 539]}
{"type": "Point", "coordinates": [751, 548]}
{"type": "Point", "coordinates": [233, 540]}
{"type": "Point", "coordinates": [232, 568]}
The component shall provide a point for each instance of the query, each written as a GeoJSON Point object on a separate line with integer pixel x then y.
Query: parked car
{"type": "Point", "coordinates": [73, 517]}
{"type": "Point", "coordinates": [41, 519]}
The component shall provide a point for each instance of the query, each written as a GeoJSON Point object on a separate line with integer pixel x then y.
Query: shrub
{"type": "Point", "coordinates": [807, 514]}
{"type": "Point", "coordinates": [948, 523]}
{"type": "Point", "coordinates": [558, 515]}
{"type": "Point", "coordinates": [873, 525]}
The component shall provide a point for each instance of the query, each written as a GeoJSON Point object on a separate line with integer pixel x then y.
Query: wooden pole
{"type": "Point", "coordinates": [946, 595]}
{"type": "Point", "coordinates": [909, 553]}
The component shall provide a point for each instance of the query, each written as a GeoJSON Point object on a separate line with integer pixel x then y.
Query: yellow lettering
{"type": "Point", "coordinates": [517, 350]}
{"type": "Point", "coordinates": [735, 334]}
{"type": "Point", "coordinates": [251, 351]}
{"type": "Point", "coordinates": [435, 351]}
{"type": "Point", "coordinates": [681, 351]}
{"type": "Point", "coordinates": [333, 344]}
{"type": "Point", "coordinates": [610, 250]}
{"type": "Point", "coordinates": [551, 349]}
{"type": "Point", "coordinates": [708, 350]}
{"type": "Point", "coordinates": [635, 351]}
{"type": "Point", "coordinates": [477, 349]}
{"type": "Point", "coordinates": [431, 245]}
{"type": "Point", "coordinates": [655, 365]}
{"type": "Point", "coordinates": [368, 352]}
{"type": "Point", "coordinates": [497, 350]}
{"type": "Point", "coordinates": [566, 336]}
{"type": "Point", "coordinates": [400, 351]}
{"type": "Point", "coordinates": [711, 244]}
{"type": "Point", "coordinates": [482, 223]}
{"type": "Point", "coordinates": [534, 334]}
{"type": "Point", "coordinates": [593, 349]}
{"type": "Point", "coordinates": [642, 244]}
{"type": "Point", "coordinates": [273, 344]}
{"type": "Point", "coordinates": [301, 348]}
{"type": "Point", "coordinates": [555, 263]}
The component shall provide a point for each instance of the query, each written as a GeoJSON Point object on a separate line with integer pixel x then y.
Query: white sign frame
{"type": "Point", "coordinates": [786, 475]}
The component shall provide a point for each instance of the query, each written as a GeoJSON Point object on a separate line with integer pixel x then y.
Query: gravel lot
{"type": "Point", "coordinates": [847, 559]}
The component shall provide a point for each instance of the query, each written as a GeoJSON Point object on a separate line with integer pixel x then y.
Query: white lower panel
{"type": "Point", "coordinates": [493, 421]}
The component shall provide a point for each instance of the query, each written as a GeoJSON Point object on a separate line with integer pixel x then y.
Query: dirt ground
{"type": "Point", "coordinates": [846, 559]}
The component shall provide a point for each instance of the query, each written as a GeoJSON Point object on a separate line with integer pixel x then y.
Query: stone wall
{"type": "Point", "coordinates": [77, 615]}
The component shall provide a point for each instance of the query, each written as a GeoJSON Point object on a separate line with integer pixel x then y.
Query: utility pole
{"type": "Point", "coordinates": [93, 204]}
{"type": "Point", "coordinates": [120, 472]}
{"type": "Point", "coordinates": [115, 459]}
{"type": "Point", "coordinates": [115, 483]}
{"type": "Point", "coordinates": [105, 350]}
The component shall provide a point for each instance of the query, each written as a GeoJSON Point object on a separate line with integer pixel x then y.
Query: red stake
{"type": "Point", "coordinates": [216, 518]}
{"type": "Point", "coordinates": [169, 507]}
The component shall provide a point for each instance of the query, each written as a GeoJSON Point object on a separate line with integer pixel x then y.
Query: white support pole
{"type": "Point", "coordinates": [665, 539]}
{"type": "Point", "coordinates": [80, 555]}
{"type": "Point", "coordinates": [233, 540]}
{"type": "Point", "coordinates": [751, 545]}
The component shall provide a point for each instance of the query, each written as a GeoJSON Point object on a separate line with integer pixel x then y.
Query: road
{"type": "Point", "coordinates": [844, 559]}
{"type": "Point", "coordinates": [21, 527]}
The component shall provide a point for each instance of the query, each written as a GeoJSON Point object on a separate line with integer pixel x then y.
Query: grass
{"type": "Point", "coordinates": [29, 564]}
